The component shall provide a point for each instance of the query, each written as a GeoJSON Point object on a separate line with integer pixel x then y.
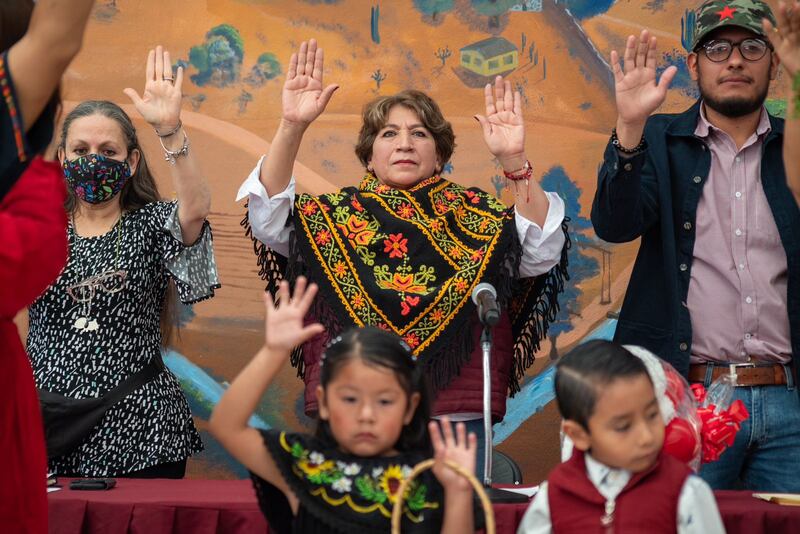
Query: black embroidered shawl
{"type": "Point", "coordinates": [408, 260]}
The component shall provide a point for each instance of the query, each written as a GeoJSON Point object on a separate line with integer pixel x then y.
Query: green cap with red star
{"type": "Point", "coordinates": [745, 14]}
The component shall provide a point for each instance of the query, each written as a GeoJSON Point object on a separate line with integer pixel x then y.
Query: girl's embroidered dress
{"type": "Point", "coordinates": [341, 493]}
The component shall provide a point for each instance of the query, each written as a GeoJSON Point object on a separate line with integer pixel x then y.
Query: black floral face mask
{"type": "Point", "coordinates": [95, 178]}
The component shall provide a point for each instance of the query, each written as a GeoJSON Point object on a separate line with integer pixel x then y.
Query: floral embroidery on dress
{"type": "Point", "coordinates": [363, 492]}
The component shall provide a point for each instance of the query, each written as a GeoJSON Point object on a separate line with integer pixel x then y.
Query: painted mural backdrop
{"type": "Point", "coordinates": [235, 53]}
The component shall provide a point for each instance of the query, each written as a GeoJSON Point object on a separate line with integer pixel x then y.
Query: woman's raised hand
{"type": "Point", "coordinates": [638, 94]}
{"type": "Point", "coordinates": [304, 98]}
{"type": "Point", "coordinates": [284, 328]}
{"type": "Point", "coordinates": [503, 127]}
{"type": "Point", "coordinates": [160, 103]}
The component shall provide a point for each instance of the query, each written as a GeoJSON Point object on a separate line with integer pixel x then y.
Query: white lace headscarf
{"type": "Point", "coordinates": [655, 368]}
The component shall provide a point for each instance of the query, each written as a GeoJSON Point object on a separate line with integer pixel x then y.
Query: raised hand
{"type": "Point", "coordinates": [503, 127]}
{"type": "Point", "coordinates": [160, 103]}
{"type": "Point", "coordinates": [303, 97]}
{"type": "Point", "coordinates": [786, 37]}
{"type": "Point", "coordinates": [456, 447]}
{"type": "Point", "coordinates": [284, 328]}
{"type": "Point", "coordinates": [638, 93]}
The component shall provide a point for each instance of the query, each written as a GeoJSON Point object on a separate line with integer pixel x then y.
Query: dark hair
{"type": "Point", "coordinates": [376, 112]}
{"type": "Point", "coordinates": [141, 188]}
{"type": "Point", "coordinates": [585, 370]}
{"type": "Point", "coordinates": [15, 15]}
{"type": "Point", "coordinates": [380, 348]}
{"type": "Point", "coordinates": [137, 192]}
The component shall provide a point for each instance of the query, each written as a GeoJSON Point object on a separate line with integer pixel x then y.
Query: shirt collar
{"type": "Point", "coordinates": [704, 127]}
{"type": "Point", "coordinates": [608, 480]}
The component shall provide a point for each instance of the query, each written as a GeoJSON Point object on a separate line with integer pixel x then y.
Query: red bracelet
{"type": "Point", "coordinates": [524, 173]}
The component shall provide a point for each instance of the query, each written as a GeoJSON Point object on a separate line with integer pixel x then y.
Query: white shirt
{"type": "Point", "coordinates": [541, 246]}
{"type": "Point", "coordinates": [697, 508]}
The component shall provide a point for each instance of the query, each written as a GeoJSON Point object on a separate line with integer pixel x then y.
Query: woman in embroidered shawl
{"type": "Point", "coordinates": [404, 248]}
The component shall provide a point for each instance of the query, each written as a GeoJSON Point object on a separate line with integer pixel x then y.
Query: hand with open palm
{"type": "Point", "coordinates": [638, 94]}
{"type": "Point", "coordinates": [786, 37]}
{"type": "Point", "coordinates": [160, 103]}
{"type": "Point", "coordinates": [503, 127]}
{"type": "Point", "coordinates": [303, 98]}
{"type": "Point", "coordinates": [284, 328]}
{"type": "Point", "coordinates": [456, 447]}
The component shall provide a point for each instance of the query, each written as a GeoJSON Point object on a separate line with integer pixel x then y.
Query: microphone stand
{"type": "Point", "coordinates": [495, 494]}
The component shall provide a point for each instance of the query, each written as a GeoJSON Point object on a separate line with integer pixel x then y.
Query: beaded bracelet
{"type": "Point", "coordinates": [172, 155]}
{"type": "Point", "coordinates": [524, 173]}
{"type": "Point", "coordinates": [171, 132]}
{"type": "Point", "coordinates": [638, 148]}
{"type": "Point", "coordinates": [796, 89]}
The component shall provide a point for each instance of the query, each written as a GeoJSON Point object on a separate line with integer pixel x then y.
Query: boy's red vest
{"type": "Point", "coordinates": [648, 503]}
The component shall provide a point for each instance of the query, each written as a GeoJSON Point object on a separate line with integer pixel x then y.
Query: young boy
{"type": "Point", "coordinates": [618, 479]}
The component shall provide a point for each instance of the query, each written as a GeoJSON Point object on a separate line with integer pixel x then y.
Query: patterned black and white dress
{"type": "Point", "coordinates": [84, 342]}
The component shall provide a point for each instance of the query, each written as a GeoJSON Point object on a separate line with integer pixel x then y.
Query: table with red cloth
{"type": "Point", "coordinates": [159, 506]}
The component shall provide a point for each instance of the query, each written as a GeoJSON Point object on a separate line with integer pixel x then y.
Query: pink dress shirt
{"type": "Point", "coordinates": [737, 291]}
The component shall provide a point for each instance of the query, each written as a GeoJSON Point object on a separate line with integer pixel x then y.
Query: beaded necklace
{"type": "Point", "coordinates": [110, 281]}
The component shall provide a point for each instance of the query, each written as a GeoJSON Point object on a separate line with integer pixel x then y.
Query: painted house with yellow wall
{"type": "Point", "coordinates": [491, 56]}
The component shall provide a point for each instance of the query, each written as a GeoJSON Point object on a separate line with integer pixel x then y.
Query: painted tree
{"type": "Point", "coordinates": [374, 19]}
{"type": "Point", "coordinates": [584, 9]}
{"type": "Point", "coordinates": [443, 54]}
{"type": "Point", "coordinates": [218, 60]}
{"type": "Point", "coordinates": [493, 9]}
{"type": "Point", "coordinates": [687, 29]}
{"type": "Point", "coordinates": [243, 99]}
{"type": "Point", "coordinates": [500, 184]}
{"type": "Point", "coordinates": [378, 76]}
{"type": "Point", "coordinates": [581, 266]}
{"type": "Point", "coordinates": [267, 67]}
{"type": "Point", "coordinates": [433, 8]}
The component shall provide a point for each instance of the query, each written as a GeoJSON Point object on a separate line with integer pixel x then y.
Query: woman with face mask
{"type": "Point", "coordinates": [110, 406]}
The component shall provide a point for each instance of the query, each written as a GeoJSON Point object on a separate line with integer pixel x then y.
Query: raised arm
{"type": "Point", "coordinates": [229, 421]}
{"type": "Point", "coordinates": [160, 106]}
{"type": "Point", "coordinates": [626, 200]}
{"type": "Point", "coordinates": [303, 100]}
{"type": "Point", "coordinates": [459, 448]}
{"type": "Point", "coordinates": [638, 94]}
{"type": "Point", "coordinates": [37, 61]}
{"type": "Point", "coordinates": [504, 134]}
{"type": "Point", "coordinates": [786, 40]}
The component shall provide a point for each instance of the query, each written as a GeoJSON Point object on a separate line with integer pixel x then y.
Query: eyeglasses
{"type": "Point", "coordinates": [110, 282]}
{"type": "Point", "coordinates": [720, 49]}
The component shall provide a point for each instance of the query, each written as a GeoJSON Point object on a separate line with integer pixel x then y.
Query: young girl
{"type": "Point", "coordinates": [372, 429]}
{"type": "Point", "coordinates": [618, 478]}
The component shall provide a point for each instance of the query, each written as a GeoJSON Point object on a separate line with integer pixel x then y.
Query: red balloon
{"type": "Point", "coordinates": [676, 388]}
{"type": "Point", "coordinates": [681, 440]}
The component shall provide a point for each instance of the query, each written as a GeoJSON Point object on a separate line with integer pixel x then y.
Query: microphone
{"type": "Point", "coordinates": [485, 298]}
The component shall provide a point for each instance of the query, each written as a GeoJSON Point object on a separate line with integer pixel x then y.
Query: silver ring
{"type": "Point", "coordinates": [170, 80]}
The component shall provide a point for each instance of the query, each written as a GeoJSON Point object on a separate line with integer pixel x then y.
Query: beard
{"type": "Point", "coordinates": [734, 107]}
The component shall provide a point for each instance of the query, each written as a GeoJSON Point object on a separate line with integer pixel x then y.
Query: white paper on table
{"type": "Point", "coordinates": [52, 489]}
{"type": "Point", "coordinates": [528, 491]}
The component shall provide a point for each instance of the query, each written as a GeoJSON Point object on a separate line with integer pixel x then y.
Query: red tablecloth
{"type": "Point", "coordinates": [229, 507]}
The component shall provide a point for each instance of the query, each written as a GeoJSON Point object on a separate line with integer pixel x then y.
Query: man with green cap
{"type": "Point", "coordinates": [715, 289]}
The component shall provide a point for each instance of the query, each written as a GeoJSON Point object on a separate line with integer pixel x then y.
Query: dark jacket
{"type": "Point", "coordinates": [654, 195]}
